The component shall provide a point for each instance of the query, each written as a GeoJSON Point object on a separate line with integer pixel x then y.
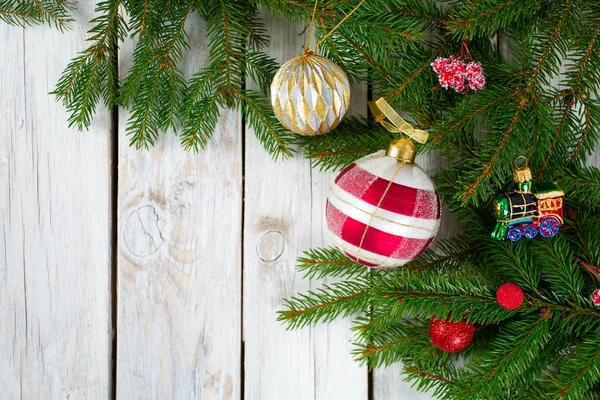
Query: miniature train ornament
{"type": "Point", "coordinates": [528, 210]}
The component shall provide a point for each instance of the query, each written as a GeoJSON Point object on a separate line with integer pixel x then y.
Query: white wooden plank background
{"type": "Point", "coordinates": [284, 215]}
{"type": "Point", "coordinates": [55, 211]}
{"type": "Point", "coordinates": [179, 260]}
{"type": "Point", "coordinates": [205, 251]}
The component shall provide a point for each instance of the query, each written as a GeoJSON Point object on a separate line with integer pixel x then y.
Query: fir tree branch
{"type": "Point", "coordinates": [486, 17]}
{"type": "Point", "coordinates": [28, 12]}
{"type": "Point", "coordinates": [414, 370]}
{"type": "Point", "coordinates": [513, 351]}
{"type": "Point", "coordinates": [328, 262]}
{"type": "Point", "coordinates": [550, 45]}
{"type": "Point", "coordinates": [391, 96]}
{"type": "Point", "coordinates": [591, 269]}
{"type": "Point", "coordinates": [155, 83]}
{"type": "Point", "coordinates": [578, 370]}
{"type": "Point", "coordinates": [470, 192]}
{"type": "Point", "coordinates": [572, 95]}
{"type": "Point", "coordinates": [572, 310]}
{"type": "Point", "coordinates": [440, 21]}
{"type": "Point", "coordinates": [403, 339]}
{"type": "Point", "coordinates": [364, 53]}
{"type": "Point", "coordinates": [582, 184]}
{"type": "Point", "coordinates": [584, 133]}
{"type": "Point", "coordinates": [92, 73]}
{"type": "Point", "coordinates": [523, 102]}
{"type": "Point", "coordinates": [327, 303]}
{"type": "Point", "coordinates": [385, 347]}
{"type": "Point", "coordinates": [267, 129]}
{"type": "Point", "coordinates": [477, 112]}
{"type": "Point", "coordinates": [428, 294]}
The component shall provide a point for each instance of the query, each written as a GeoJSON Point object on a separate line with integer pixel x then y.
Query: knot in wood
{"type": "Point", "coordinates": [270, 246]}
{"type": "Point", "coordinates": [143, 233]}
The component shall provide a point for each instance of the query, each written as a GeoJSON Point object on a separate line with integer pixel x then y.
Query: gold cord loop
{"type": "Point", "coordinates": [312, 22]}
{"type": "Point", "coordinates": [310, 27]}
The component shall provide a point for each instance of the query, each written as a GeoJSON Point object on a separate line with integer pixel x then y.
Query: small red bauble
{"type": "Point", "coordinates": [596, 297]}
{"type": "Point", "coordinates": [510, 296]}
{"type": "Point", "coordinates": [451, 337]}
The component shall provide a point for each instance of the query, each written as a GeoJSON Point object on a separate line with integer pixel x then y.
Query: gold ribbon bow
{"type": "Point", "coordinates": [381, 110]}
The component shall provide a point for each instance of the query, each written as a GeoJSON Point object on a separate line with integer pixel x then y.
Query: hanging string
{"type": "Point", "coordinates": [306, 49]}
{"type": "Point", "coordinates": [310, 27]}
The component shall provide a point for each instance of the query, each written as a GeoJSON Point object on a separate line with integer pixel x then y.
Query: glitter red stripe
{"type": "Point", "coordinates": [399, 199]}
{"type": "Point", "coordinates": [377, 241]}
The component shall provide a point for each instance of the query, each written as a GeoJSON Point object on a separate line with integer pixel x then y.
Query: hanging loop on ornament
{"type": "Point", "coordinates": [382, 110]}
{"type": "Point", "coordinates": [310, 28]}
{"type": "Point", "coordinates": [521, 162]}
{"type": "Point", "coordinates": [312, 22]}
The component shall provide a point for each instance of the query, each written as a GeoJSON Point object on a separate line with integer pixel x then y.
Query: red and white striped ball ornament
{"type": "Point", "coordinates": [384, 210]}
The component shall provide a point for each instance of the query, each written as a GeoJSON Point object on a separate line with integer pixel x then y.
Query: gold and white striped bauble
{"type": "Point", "coordinates": [310, 94]}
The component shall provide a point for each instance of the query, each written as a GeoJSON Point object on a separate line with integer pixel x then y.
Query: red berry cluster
{"type": "Point", "coordinates": [596, 297]}
{"type": "Point", "coordinates": [455, 73]}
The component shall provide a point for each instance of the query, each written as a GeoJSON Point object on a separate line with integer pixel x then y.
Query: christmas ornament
{"type": "Point", "coordinates": [510, 296]}
{"type": "Point", "coordinates": [310, 94]}
{"type": "Point", "coordinates": [383, 210]}
{"type": "Point", "coordinates": [596, 297]}
{"type": "Point", "coordinates": [455, 73]}
{"type": "Point", "coordinates": [528, 210]}
{"type": "Point", "coordinates": [451, 337]}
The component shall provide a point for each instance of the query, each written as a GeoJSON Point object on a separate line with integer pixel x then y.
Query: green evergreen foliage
{"type": "Point", "coordinates": [28, 12]}
{"type": "Point", "coordinates": [160, 98]}
{"type": "Point", "coordinates": [547, 348]}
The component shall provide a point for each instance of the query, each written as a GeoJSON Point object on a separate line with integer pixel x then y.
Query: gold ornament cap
{"type": "Point", "coordinates": [522, 172]}
{"type": "Point", "coordinates": [402, 149]}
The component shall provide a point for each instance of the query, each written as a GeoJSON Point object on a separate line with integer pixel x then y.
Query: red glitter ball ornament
{"type": "Point", "coordinates": [596, 297]}
{"type": "Point", "coordinates": [451, 337]}
{"type": "Point", "coordinates": [510, 296]}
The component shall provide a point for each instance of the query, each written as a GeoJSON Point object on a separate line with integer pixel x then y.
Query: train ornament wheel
{"type": "Point", "coordinates": [514, 234]}
{"type": "Point", "coordinates": [549, 227]}
{"type": "Point", "coordinates": [530, 231]}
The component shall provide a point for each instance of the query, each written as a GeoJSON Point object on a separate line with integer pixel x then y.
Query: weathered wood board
{"type": "Point", "coordinates": [179, 260]}
{"type": "Point", "coordinates": [55, 216]}
{"type": "Point", "coordinates": [284, 215]}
